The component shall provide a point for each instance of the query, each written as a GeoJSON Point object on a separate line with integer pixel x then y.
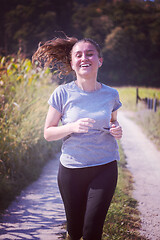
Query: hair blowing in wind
{"type": "Point", "coordinates": [55, 53]}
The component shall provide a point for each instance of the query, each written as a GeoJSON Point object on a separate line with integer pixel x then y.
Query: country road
{"type": "Point", "coordinates": [144, 163]}
{"type": "Point", "coordinates": [38, 213]}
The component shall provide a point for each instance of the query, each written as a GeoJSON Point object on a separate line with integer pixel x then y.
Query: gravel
{"type": "Point", "coordinates": [38, 213]}
{"type": "Point", "coordinates": [143, 161]}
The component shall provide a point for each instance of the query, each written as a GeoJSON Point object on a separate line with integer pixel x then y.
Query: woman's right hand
{"type": "Point", "coordinates": [82, 125]}
{"type": "Point", "coordinates": [54, 132]}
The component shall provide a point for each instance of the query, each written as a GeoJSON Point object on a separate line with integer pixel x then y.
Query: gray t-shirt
{"type": "Point", "coordinates": [97, 146]}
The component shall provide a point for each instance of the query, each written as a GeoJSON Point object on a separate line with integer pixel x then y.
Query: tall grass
{"type": "Point", "coordinates": [128, 96]}
{"type": "Point", "coordinates": [23, 106]}
{"type": "Point", "coordinates": [147, 119]}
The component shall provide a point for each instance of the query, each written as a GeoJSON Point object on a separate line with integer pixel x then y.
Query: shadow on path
{"type": "Point", "coordinates": [38, 213]}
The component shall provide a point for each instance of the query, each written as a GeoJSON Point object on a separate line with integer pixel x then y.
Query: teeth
{"type": "Point", "coordinates": [85, 65]}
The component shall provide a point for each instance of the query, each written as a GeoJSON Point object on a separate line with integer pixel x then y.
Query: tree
{"type": "Point", "coordinates": [127, 31]}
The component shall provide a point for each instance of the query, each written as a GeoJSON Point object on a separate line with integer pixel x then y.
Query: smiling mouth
{"type": "Point", "coordinates": [85, 65]}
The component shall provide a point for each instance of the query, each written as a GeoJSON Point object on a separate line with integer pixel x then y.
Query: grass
{"type": "Point", "coordinates": [23, 107]}
{"type": "Point", "coordinates": [122, 221]}
{"type": "Point", "coordinates": [147, 119]}
{"type": "Point", "coordinates": [128, 96]}
{"type": "Point", "coordinates": [24, 149]}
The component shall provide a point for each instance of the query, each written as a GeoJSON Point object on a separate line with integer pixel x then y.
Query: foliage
{"type": "Point", "coordinates": [132, 54]}
{"type": "Point", "coordinates": [128, 32]}
{"type": "Point", "coordinates": [23, 97]}
{"type": "Point", "coordinates": [26, 23]}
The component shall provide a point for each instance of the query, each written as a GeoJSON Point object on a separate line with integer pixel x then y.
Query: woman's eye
{"type": "Point", "coordinates": [90, 54]}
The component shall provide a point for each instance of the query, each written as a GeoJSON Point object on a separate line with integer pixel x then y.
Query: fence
{"type": "Point", "coordinates": [151, 103]}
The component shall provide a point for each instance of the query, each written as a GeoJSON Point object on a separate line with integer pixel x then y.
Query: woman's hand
{"type": "Point", "coordinates": [116, 130]}
{"type": "Point", "coordinates": [82, 125]}
{"type": "Point", "coordinates": [54, 132]}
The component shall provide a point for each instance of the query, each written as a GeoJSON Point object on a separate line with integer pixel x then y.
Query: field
{"type": "Point", "coordinates": [147, 119]}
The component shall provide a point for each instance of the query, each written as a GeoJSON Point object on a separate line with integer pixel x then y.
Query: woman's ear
{"type": "Point", "coordinates": [100, 62]}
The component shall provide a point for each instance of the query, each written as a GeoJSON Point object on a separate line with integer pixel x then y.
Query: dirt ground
{"type": "Point", "coordinates": [144, 163]}
{"type": "Point", "coordinates": [38, 213]}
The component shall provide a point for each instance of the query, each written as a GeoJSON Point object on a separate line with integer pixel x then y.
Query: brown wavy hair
{"type": "Point", "coordinates": [56, 53]}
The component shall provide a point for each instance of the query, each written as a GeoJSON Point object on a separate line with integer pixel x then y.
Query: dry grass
{"type": "Point", "coordinates": [23, 153]}
{"type": "Point", "coordinates": [122, 221]}
{"type": "Point", "coordinates": [147, 119]}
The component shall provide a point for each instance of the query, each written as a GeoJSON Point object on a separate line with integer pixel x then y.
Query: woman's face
{"type": "Point", "coordinates": [85, 60]}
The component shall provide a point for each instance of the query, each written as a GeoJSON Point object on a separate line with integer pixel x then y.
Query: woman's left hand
{"type": "Point", "coordinates": [116, 130]}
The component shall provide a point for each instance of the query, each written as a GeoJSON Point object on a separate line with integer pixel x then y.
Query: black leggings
{"type": "Point", "coordinates": [87, 194]}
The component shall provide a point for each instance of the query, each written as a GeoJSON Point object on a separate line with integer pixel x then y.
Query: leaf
{"type": "Point", "coordinates": [30, 79]}
{"type": "Point", "coordinates": [19, 78]}
{"type": "Point", "coordinates": [3, 61]}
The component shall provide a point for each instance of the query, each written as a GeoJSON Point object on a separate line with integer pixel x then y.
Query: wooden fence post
{"type": "Point", "coordinates": [151, 103]}
{"type": "Point", "coordinates": [148, 103]}
{"type": "Point", "coordinates": [155, 105]}
{"type": "Point", "coordinates": [137, 96]}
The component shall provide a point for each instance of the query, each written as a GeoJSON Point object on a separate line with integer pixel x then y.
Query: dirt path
{"type": "Point", "coordinates": [144, 163]}
{"type": "Point", "coordinates": [38, 213]}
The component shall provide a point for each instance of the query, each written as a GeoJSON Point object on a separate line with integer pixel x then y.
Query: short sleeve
{"type": "Point", "coordinates": [55, 99]}
{"type": "Point", "coordinates": [117, 103]}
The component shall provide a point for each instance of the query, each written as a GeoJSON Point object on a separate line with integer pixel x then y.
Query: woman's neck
{"type": "Point", "coordinates": [88, 85]}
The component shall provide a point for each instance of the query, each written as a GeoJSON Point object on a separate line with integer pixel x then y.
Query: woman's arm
{"type": "Point", "coordinates": [54, 132]}
{"type": "Point", "coordinates": [115, 130]}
